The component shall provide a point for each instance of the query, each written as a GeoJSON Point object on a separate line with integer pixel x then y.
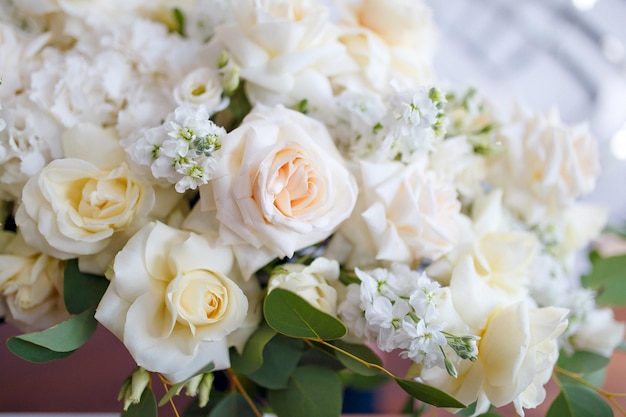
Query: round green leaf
{"type": "Point", "coordinates": [251, 358]}
{"type": "Point", "coordinates": [280, 357]}
{"type": "Point", "coordinates": [233, 405]}
{"type": "Point", "coordinates": [428, 394]}
{"type": "Point", "coordinates": [362, 352]}
{"type": "Point", "coordinates": [65, 337]}
{"type": "Point", "coordinates": [579, 401]}
{"type": "Point", "coordinates": [312, 392]}
{"type": "Point", "coordinates": [80, 290]}
{"type": "Point", "coordinates": [289, 314]}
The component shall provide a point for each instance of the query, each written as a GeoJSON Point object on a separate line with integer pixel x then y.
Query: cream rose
{"type": "Point", "coordinates": [546, 165]}
{"type": "Point", "coordinates": [310, 282]}
{"type": "Point", "coordinates": [75, 205]}
{"type": "Point", "coordinates": [391, 41]}
{"type": "Point", "coordinates": [32, 285]}
{"type": "Point", "coordinates": [516, 355]}
{"type": "Point", "coordinates": [405, 214]}
{"type": "Point", "coordinates": [280, 186]}
{"type": "Point", "coordinates": [201, 88]}
{"type": "Point", "coordinates": [171, 302]}
{"type": "Point", "coordinates": [286, 51]}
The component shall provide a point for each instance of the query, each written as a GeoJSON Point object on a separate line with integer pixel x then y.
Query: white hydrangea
{"type": "Point", "coordinates": [181, 151]}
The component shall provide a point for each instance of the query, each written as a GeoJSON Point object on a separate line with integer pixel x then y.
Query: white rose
{"type": "Point", "coordinates": [286, 51]}
{"type": "Point", "coordinates": [74, 206]}
{"type": "Point", "coordinates": [546, 165]}
{"type": "Point", "coordinates": [32, 285]}
{"type": "Point", "coordinates": [599, 332]}
{"type": "Point", "coordinates": [280, 186]}
{"type": "Point", "coordinates": [516, 355]}
{"type": "Point", "coordinates": [171, 303]}
{"type": "Point", "coordinates": [201, 88]}
{"type": "Point", "coordinates": [310, 282]}
{"type": "Point", "coordinates": [404, 214]}
{"type": "Point", "coordinates": [391, 41]}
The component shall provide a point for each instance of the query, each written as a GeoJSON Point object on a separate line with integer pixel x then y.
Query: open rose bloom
{"type": "Point", "coordinates": [242, 187]}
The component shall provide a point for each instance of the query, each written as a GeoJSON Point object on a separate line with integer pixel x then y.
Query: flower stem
{"type": "Point", "coordinates": [610, 396]}
{"type": "Point", "coordinates": [356, 358]}
{"type": "Point", "coordinates": [166, 385]}
{"type": "Point", "coordinates": [244, 393]}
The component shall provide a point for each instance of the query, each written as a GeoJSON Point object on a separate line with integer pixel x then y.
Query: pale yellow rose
{"type": "Point", "coordinates": [281, 185]}
{"type": "Point", "coordinates": [312, 283]}
{"type": "Point", "coordinates": [171, 301]}
{"type": "Point", "coordinates": [516, 354]}
{"type": "Point", "coordinates": [75, 205]}
{"type": "Point", "coordinates": [32, 285]}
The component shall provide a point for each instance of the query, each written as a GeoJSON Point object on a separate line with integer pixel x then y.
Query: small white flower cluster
{"type": "Point", "coordinates": [409, 123]}
{"type": "Point", "coordinates": [420, 122]}
{"type": "Point", "coordinates": [181, 150]}
{"type": "Point", "coordinates": [399, 309]}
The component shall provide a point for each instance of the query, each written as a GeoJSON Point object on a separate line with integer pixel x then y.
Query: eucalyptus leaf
{"type": "Point", "coordinates": [65, 337]}
{"type": "Point", "coordinates": [81, 291]}
{"type": "Point", "coordinates": [362, 382]}
{"type": "Point", "coordinates": [582, 362]}
{"type": "Point", "coordinates": [576, 400]}
{"type": "Point", "coordinates": [362, 352]}
{"type": "Point", "coordinates": [251, 358]}
{"type": "Point", "coordinates": [608, 277]}
{"type": "Point", "coordinates": [312, 392]}
{"type": "Point", "coordinates": [289, 314]}
{"type": "Point", "coordinates": [233, 405]}
{"type": "Point", "coordinates": [173, 391]}
{"type": "Point", "coordinates": [146, 407]}
{"type": "Point", "coordinates": [428, 394]}
{"type": "Point", "coordinates": [280, 358]}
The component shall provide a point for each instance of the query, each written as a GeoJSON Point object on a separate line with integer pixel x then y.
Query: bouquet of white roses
{"type": "Point", "coordinates": [277, 192]}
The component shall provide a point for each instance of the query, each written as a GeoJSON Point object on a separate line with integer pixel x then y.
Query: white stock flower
{"type": "Point", "coordinates": [32, 285]}
{"type": "Point", "coordinates": [171, 301]}
{"type": "Point", "coordinates": [312, 282]}
{"type": "Point", "coordinates": [545, 166]}
{"type": "Point", "coordinates": [280, 186]}
{"type": "Point", "coordinates": [404, 214]}
{"type": "Point", "coordinates": [75, 205]}
{"type": "Point", "coordinates": [598, 332]}
{"type": "Point", "coordinates": [286, 51]}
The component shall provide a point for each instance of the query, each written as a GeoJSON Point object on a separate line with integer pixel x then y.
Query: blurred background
{"type": "Point", "coordinates": [565, 53]}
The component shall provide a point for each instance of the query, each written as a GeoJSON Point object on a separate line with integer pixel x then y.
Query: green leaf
{"type": "Point", "coordinates": [145, 408]}
{"type": "Point", "coordinates": [608, 277]}
{"type": "Point", "coordinates": [362, 352]}
{"type": "Point", "coordinates": [81, 291]}
{"type": "Point", "coordinates": [582, 362]}
{"type": "Point", "coordinates": [280, 358]}
{"type": "Point", "coordinates": [428, 394]}
{"type": "Point", "coordinates": [251, 358]}
{"type": "Point", "coordinates": [233, 405]}
{"type": "Point", "coordinates": [65, 337]}
{"type": "Point", "coordinates": [312, 392]}
{"type": "Point", "coordinates": [289, 314]}
{"type": "Point", "coordinates": [350, 379]}
{"type": "Point", "coordinates": [579, 401]}
{"type": "Point", "coordinates": [179, 17]}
